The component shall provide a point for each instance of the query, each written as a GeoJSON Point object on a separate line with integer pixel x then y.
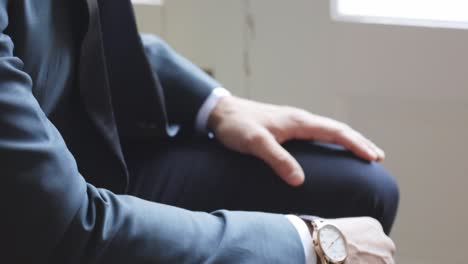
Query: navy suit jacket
{"type": "Point", "coordinates": [77, 83]}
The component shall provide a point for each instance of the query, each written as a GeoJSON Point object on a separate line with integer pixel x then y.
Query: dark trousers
{"type": "Point", "coordinates": [202, 175]}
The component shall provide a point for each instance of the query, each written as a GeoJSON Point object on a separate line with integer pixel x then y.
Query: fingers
{"type": "Point", "coordinates": [356, 144]}
{"type": "Point", "coordinates": [311, 127]}
{"type": "Point", "coordinates": [264, 146]}
{"type": "Point", "coordinates": [379, 151]}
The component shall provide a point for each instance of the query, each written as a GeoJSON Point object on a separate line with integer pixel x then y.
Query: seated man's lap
{"type": "Point", "coordinates": [201, 174]}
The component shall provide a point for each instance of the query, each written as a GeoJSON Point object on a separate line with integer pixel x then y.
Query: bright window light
{"type": "Point", "coordinates": [148, 2]}
{"type": "Point", "coordinates": [432, 13]}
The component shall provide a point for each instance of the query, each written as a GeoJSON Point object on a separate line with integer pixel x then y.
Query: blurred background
{"type": "Point", "coordinates": [397, 70]}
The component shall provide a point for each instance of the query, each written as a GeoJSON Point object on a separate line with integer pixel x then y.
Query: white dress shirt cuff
{"type": "Point", "coordinates": [306, 238]}
{"type": "Point", "coordinates": [201, 121]}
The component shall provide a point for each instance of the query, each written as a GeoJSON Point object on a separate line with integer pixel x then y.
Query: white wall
{"type": "Point", "coordinates": [404, 87]}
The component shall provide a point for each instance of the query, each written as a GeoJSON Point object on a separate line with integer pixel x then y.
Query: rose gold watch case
{"type": "Point", "coordinates": [318, 225]}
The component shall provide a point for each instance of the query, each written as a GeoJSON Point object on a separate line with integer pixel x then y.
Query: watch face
{"type": "Point", "coordinates": [333, 243]}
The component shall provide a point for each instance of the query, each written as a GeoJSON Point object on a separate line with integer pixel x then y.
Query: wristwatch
{"type": "Point", "coordinates": [329, 242]}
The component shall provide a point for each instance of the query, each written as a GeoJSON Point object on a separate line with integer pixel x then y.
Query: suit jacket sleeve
{"type": "Point", "coordinates": [185, 86]}
{"type": "Point", "coordinates": [49, 214]}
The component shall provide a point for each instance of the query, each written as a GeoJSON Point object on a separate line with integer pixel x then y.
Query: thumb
{"type": "Point", "coordinates": [281, 161]}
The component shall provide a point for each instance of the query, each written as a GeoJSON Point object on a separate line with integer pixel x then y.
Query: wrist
{"type": "Point", "coordinates": [201, 119]}
{"type": "Point", "coordinates": [323, 232]}
{"type": "Point", "coordinates": [219, 111]}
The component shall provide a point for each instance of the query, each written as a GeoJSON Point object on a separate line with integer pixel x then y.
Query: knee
{"type": "Point", "coordinates": [381, 186]}
{"type": "Point", "coordinates": [381, 192]}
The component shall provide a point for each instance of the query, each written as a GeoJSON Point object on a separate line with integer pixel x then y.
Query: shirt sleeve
{"type": "Point", "coordinates": [185, 85]}
{"type": "Point", "coordinates": [201, 121]}
{"type": "Point", "coordinates": [306, 238]}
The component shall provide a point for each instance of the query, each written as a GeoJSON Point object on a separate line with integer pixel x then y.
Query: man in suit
{"type": "Point", "coordinates": [101, 163]}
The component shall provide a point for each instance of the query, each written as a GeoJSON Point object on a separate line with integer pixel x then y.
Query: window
{"type": "Point", "coordinates": [148, 2]}
{"type": "Point", "coordinates": [429, 13]}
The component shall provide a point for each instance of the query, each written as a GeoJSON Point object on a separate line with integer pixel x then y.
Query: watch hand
{"type": "Point", "coordinates": [338, 237]}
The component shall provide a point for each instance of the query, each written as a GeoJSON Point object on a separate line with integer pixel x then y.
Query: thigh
{"type": "Point", "coordinates": [203, 175]}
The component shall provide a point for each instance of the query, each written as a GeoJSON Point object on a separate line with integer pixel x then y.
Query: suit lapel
{"type": "Point", "coordinates": [141, 115]}
{"type": "Point", "coordinates": [94, 83]}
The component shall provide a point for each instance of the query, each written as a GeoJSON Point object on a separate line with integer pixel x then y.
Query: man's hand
{"type": "Point", "coordinates": [367, 243]}
{"type": "Point", "coordinates": [258, 129]}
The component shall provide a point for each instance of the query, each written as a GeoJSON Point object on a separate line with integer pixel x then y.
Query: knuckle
{"type": "Point", "coordinates": [254, 138]}
{"type": "Point", "coordinates": [298, 117]}
{"type": "Point", "coordinates": [271, 125]}
{"type": "Point", "coordinates": [301, 112]}
{"type": "Point", "coordinates": [341, 130]}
